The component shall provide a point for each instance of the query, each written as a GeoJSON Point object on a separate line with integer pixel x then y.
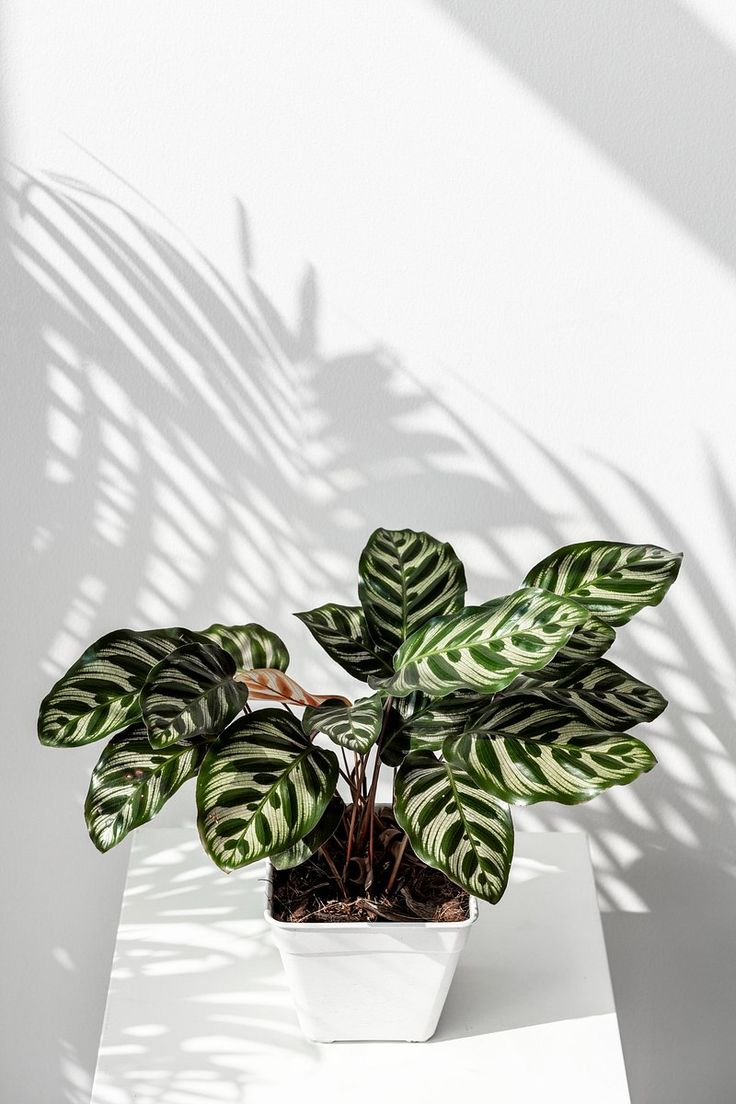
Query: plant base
{"type": "Point", "coordinates": [366, 979]}
{"type": "Point", "coordinates": [309, 893]}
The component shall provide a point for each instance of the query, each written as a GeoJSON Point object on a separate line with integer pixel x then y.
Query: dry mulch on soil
{"type": "Point", "coordinates": [309, 893]}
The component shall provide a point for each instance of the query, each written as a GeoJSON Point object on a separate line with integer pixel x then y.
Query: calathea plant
{"type": "Point", "coordinates": [475, 708]}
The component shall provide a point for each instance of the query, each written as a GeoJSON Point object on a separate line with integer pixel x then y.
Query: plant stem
{"type": "Point", "coordinates": [366, 827]}
{"type": "Point", "coordinates": [345, 777]}
{"type": "Point", "coordinates": [367, 821]}
{"type": "Point", "coordinates": [360, 769]}
{"type": "Point", "coordinates": [350, 775]}
{"type": "Point", "coordinates": [372, 822]}
{"type": "Point", "coordinates": [328, 859]}
{"type": "Point", "coordinates": [397, 864]}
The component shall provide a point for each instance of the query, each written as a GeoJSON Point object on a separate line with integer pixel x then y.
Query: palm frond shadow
{"type": "Point", "coordinates": [203, 457]}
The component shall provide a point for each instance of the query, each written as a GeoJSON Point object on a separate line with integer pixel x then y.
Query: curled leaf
{"type": "Point", "coordinates": [270, 684]}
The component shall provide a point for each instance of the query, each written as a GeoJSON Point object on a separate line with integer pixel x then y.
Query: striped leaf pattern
{"type": "Point", "coordinates": [132, 781]}
{"type": "Point", "coordinates": [406, 578]}
{"type": "Point", "coordinates": [418, 722]}
{"type": "Point", "coordinates": [454, 826]}
{"type": "Point", "coordinates": [613, 581]}
{"type": "Point", "coordinates": [98, 695]}
{"type": "Point", "coordinates": [485, 649]}
{"type": "Point", "coordinates": [250, 645]}
{"type": "Point", "coordinates": [590, 641]}
{"type": "Point", "coordinates": [437, 719]}
{"type": "Point", "coordinates": [271, 684]}
{"type": "Point", "coordinates": [261, 788]}
{"type": "Point", "coordinates": [395, 743]}
{"type": "Point", "coordinates": [608, 696]}
{"type": "Point", "coordinates": [190, 693]}
{"type": "Point", "coordinates": [526, 716]}
{"type": "Point", "coordinates": [343, 633]}
{"type": "Point", "coordinates": [524, 756]}
{"type": "Point", "coordinates": [356, 727]}
{"type": "Point", "coordinates": [304, 849]}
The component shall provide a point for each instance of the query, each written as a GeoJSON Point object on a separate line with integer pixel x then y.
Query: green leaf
{"type": "Point", "coordinates": [396, 743]}
{"type": "Point", "coordinates": [132, 781]}
{"type": "Point", "coordinates": [312, 842]}
{"type": "Point", "coordinates": [523, 754]}
{"type": "Point", "coordinates": [590, 641]}
{"type": "Point", "coordinates": [432, 722]}
{"type": "Point", "coordinates": [191, 692]}
{"type": "Point", "coordinates": [485, 649]}
{"type": "Point", "coordinates": [442, 717]}
{"type": "Point", "coordinates": [342, 632]}
{"type": "Point", "coordinates": [356, 726]}
{"type": "Point", "coordinates": [99, 693]}
{"type": "Point", "coordinates": [525, 715]}
{"type": "Point", "coordinates": [453, 826]}
{"type": "Point", "coordinates": [250, 645]}
{"type": "Point", "coordinates": [613, 581]}
{"type": "Point", "coordinates": [407, 578]}
{"type": "Point", "coordinates": [262, 787]}
{"type": "Point", "coordinates": [608, 696]}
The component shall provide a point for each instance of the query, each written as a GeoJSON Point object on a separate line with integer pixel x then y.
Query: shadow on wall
{"type": "Point", "coordinates": [204, 458]}
{"type": "Point", "coordinates": [649, 85]}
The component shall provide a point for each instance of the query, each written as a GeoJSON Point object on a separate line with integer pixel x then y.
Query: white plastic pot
{"type": "Point", "coordinates": [382, 980]}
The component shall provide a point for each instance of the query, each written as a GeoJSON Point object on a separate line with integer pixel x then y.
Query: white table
{"type": "Point", "coordinates": [198, 1012]}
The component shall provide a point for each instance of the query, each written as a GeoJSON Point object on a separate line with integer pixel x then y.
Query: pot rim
{"type": "Point", "coordinates": [365, 925]}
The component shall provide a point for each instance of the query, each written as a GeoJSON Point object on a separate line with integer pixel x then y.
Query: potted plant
{"type": "Point", "coordinates": [474, 708]}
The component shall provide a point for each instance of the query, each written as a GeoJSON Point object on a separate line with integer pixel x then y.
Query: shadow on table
{"type": "Point", "coordinates": [198, 1006]}
{"type": "Point", "coordinates": [537, 957]}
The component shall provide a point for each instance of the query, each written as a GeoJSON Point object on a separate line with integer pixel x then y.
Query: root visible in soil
{"type": "Point", "coordinates": [310, 893]}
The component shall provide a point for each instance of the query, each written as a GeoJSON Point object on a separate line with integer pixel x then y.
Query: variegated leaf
{"type": "Point", "coordinates": [273, 685]}
{"type": "Point", "coordinates": [356, 727]}
{"type": "Point", "coordinates": [441, 717]}
{"type": "Point", "coordinates": [523, 754]}
{"type": "Point", "coordinates": [262, 787]}
{"type": "Point", "coordinates": [132, 781]}
{"type": "Point", "coordinates": [396, 743]}
{"type": "Point", "coordinates": [613, 581]}
{"type": "Point", "coordinates": [315, 839]}
{"type": "Point", "coordinates": [407, 578]}
{"type": "Point", "coordinates": [485, 649]}
{"type": "Point", "coordinates": [454, 826]}
{"type": "Point", "coordinates": [590, 641]}
{"type": "Point", "coordinates": [410, 705]}
{"type": "Point", "coordinates": [434, 719]}
{"type": "Point", "coordinates": [99, 694]}
{"type": "Point", "coordinates": [608, 696]}
{"type": "Point", "coordinates": [527, 716]}
{"type": "Point", "coordinates": [191, 692]}
{"type": "Point", "coordinates": [250, 645]}
{"type": "Point", "coordinates": [342, 632]}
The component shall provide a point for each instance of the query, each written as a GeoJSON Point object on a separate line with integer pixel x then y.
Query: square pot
{"type": "Point", "coordinates": [369, 980]}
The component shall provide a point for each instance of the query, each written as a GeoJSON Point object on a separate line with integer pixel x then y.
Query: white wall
{"type": "Point", "coordinates": [483, 280]}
